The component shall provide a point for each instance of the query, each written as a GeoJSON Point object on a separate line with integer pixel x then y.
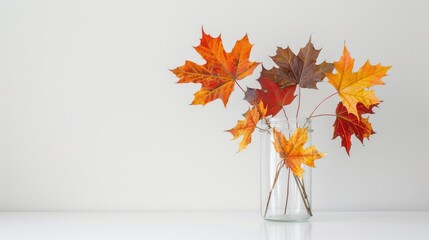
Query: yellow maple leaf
{"type": "Point", "coordinates": [246, 127]}
{"type": "Point", "coordinates": [292, 151]}
{"type": "Point", "coordinates": [352, 86]}
{"type": "Point", "coordinates": [221, 70]}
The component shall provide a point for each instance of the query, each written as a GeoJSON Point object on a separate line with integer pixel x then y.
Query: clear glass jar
{"type": "Point", "coordinates": [284, 197]}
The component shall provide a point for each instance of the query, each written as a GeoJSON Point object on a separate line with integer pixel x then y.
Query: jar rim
{"type": "Point", "coordinates": [284, 120]}
{"type": "Point", "coordinates": [289, 123]}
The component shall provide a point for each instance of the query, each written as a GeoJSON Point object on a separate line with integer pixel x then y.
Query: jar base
{"type": "Point", "coordinates": [287, 218]}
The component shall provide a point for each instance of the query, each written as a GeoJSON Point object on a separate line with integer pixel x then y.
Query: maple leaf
{"type": "Point", "coordinates": [272, 96]}
{"type": "Point", "coordinates": [352, 86]}
{"type": "Point", "coordinates": [218, 75]}
{"type": "Point", "coordinates": [292, 151]}
{"type": "Point", "coordinates": [347, 124]}
{"type": "Point", "coordinates": [246, 127]}
{"type": "Point", "coordinates": [301, 69]}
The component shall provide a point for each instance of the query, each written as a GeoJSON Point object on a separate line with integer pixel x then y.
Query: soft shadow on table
{"type": "Point", "coordinates": [286, 231]}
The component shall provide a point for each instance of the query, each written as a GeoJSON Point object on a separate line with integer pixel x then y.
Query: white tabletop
{"type": "Point", "coordinates": [210, 225]}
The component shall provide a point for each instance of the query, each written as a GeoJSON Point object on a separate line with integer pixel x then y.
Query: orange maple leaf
{"type": "Point", "coordinates": [292, 151]}
{"type": "Point", "coordinates": [352, 86]}
{"type": "Point", "coordinates": [221, 70]}
{"type": "Point", "coordinates": [246, 127]}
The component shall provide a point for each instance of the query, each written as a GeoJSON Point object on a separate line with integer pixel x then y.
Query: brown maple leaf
{"type": "Point", "coordinates": [221, 70]}
{"type": "Point", "coordinates": [292, 151]}
{"type": "Point", "coordinates": [299, 70]}
{"type": "Point", "coordinates": [246, 127]}
{"type": "Point", "coordinates": [347, 124]}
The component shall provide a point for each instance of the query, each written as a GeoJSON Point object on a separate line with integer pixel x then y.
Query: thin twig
{"type": "Point", "coordinates": [263, 130]}
{"type": "Point", "coordinates": [299, 105]}
{"type": "Point", "coordinates": [287, 119]}
{"type": "Point", "coordinates": [301, 181]}
{"type": "Point", "coordinates": [276, 177]}
{"type": "Point", "coordinates": [335, 93]}
{"type": "Point", "coordinates": [287, 191]}
{"type": "Point", "coordinates": [324, 115]}
{"type": "Point", "coordinates": [304, 196]}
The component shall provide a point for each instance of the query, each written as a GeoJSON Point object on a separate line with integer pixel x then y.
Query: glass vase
{"type": "Point", "coordinates": [284, 196]}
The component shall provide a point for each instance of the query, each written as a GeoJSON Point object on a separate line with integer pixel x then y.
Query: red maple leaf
{"type": "Point", "coordinates": [348, 124]}
{"type": "Point", "coordinates": [271, 94]}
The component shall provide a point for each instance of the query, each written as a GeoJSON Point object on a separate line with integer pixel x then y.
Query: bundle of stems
{"type": "Point", "coordinates": [281, 165]}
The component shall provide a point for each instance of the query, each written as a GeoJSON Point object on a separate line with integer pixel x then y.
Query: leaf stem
{"type": "Point", "coordinates": [236, 82]}
{"type": "Point", "coordinates": [276, 177]}
{"type": "Point", "coordinates": [311, 115]}
{"type": "Point", "coordinates": [324, 115]}
{"type": "Point", "coordinates": [304, 196]}
{"type": "Point", "coordinates": [264, 130]}
{"type": "Point", "coordinates": [287, 119]}
{"type": "Point", "coordinates": [305, 192]}
{"type": "Point", "coordinates": [287, 191]}
{"type": "Point", "coordinates": [299, 105]}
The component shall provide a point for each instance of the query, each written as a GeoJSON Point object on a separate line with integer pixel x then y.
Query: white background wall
{"type": "Point", "coordinates": [91, 118]}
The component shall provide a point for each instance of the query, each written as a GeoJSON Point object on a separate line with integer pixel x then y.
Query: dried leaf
{"type": "Point", "coordinates": [246, 127]}
{"type": "Point", "coordinates": [347, 124]}
{"type": "Point", "coordinates": [218, 75]}
{"type": "Point", "coordinates": [292, 151]}
{"type": "Point", "coordinates": [299, 70]}
{"type": "Point", "coordinates": [272, 96]}
{"type": "Point", "coordinates": [352, 86]}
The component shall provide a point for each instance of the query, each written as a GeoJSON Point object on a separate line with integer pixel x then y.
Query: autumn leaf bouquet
{"type": "Point", "coordinates": [280, 86]}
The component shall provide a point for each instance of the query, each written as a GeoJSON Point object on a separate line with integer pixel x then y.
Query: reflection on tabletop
{"type": "Point", "coordinates": [286, 230]}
